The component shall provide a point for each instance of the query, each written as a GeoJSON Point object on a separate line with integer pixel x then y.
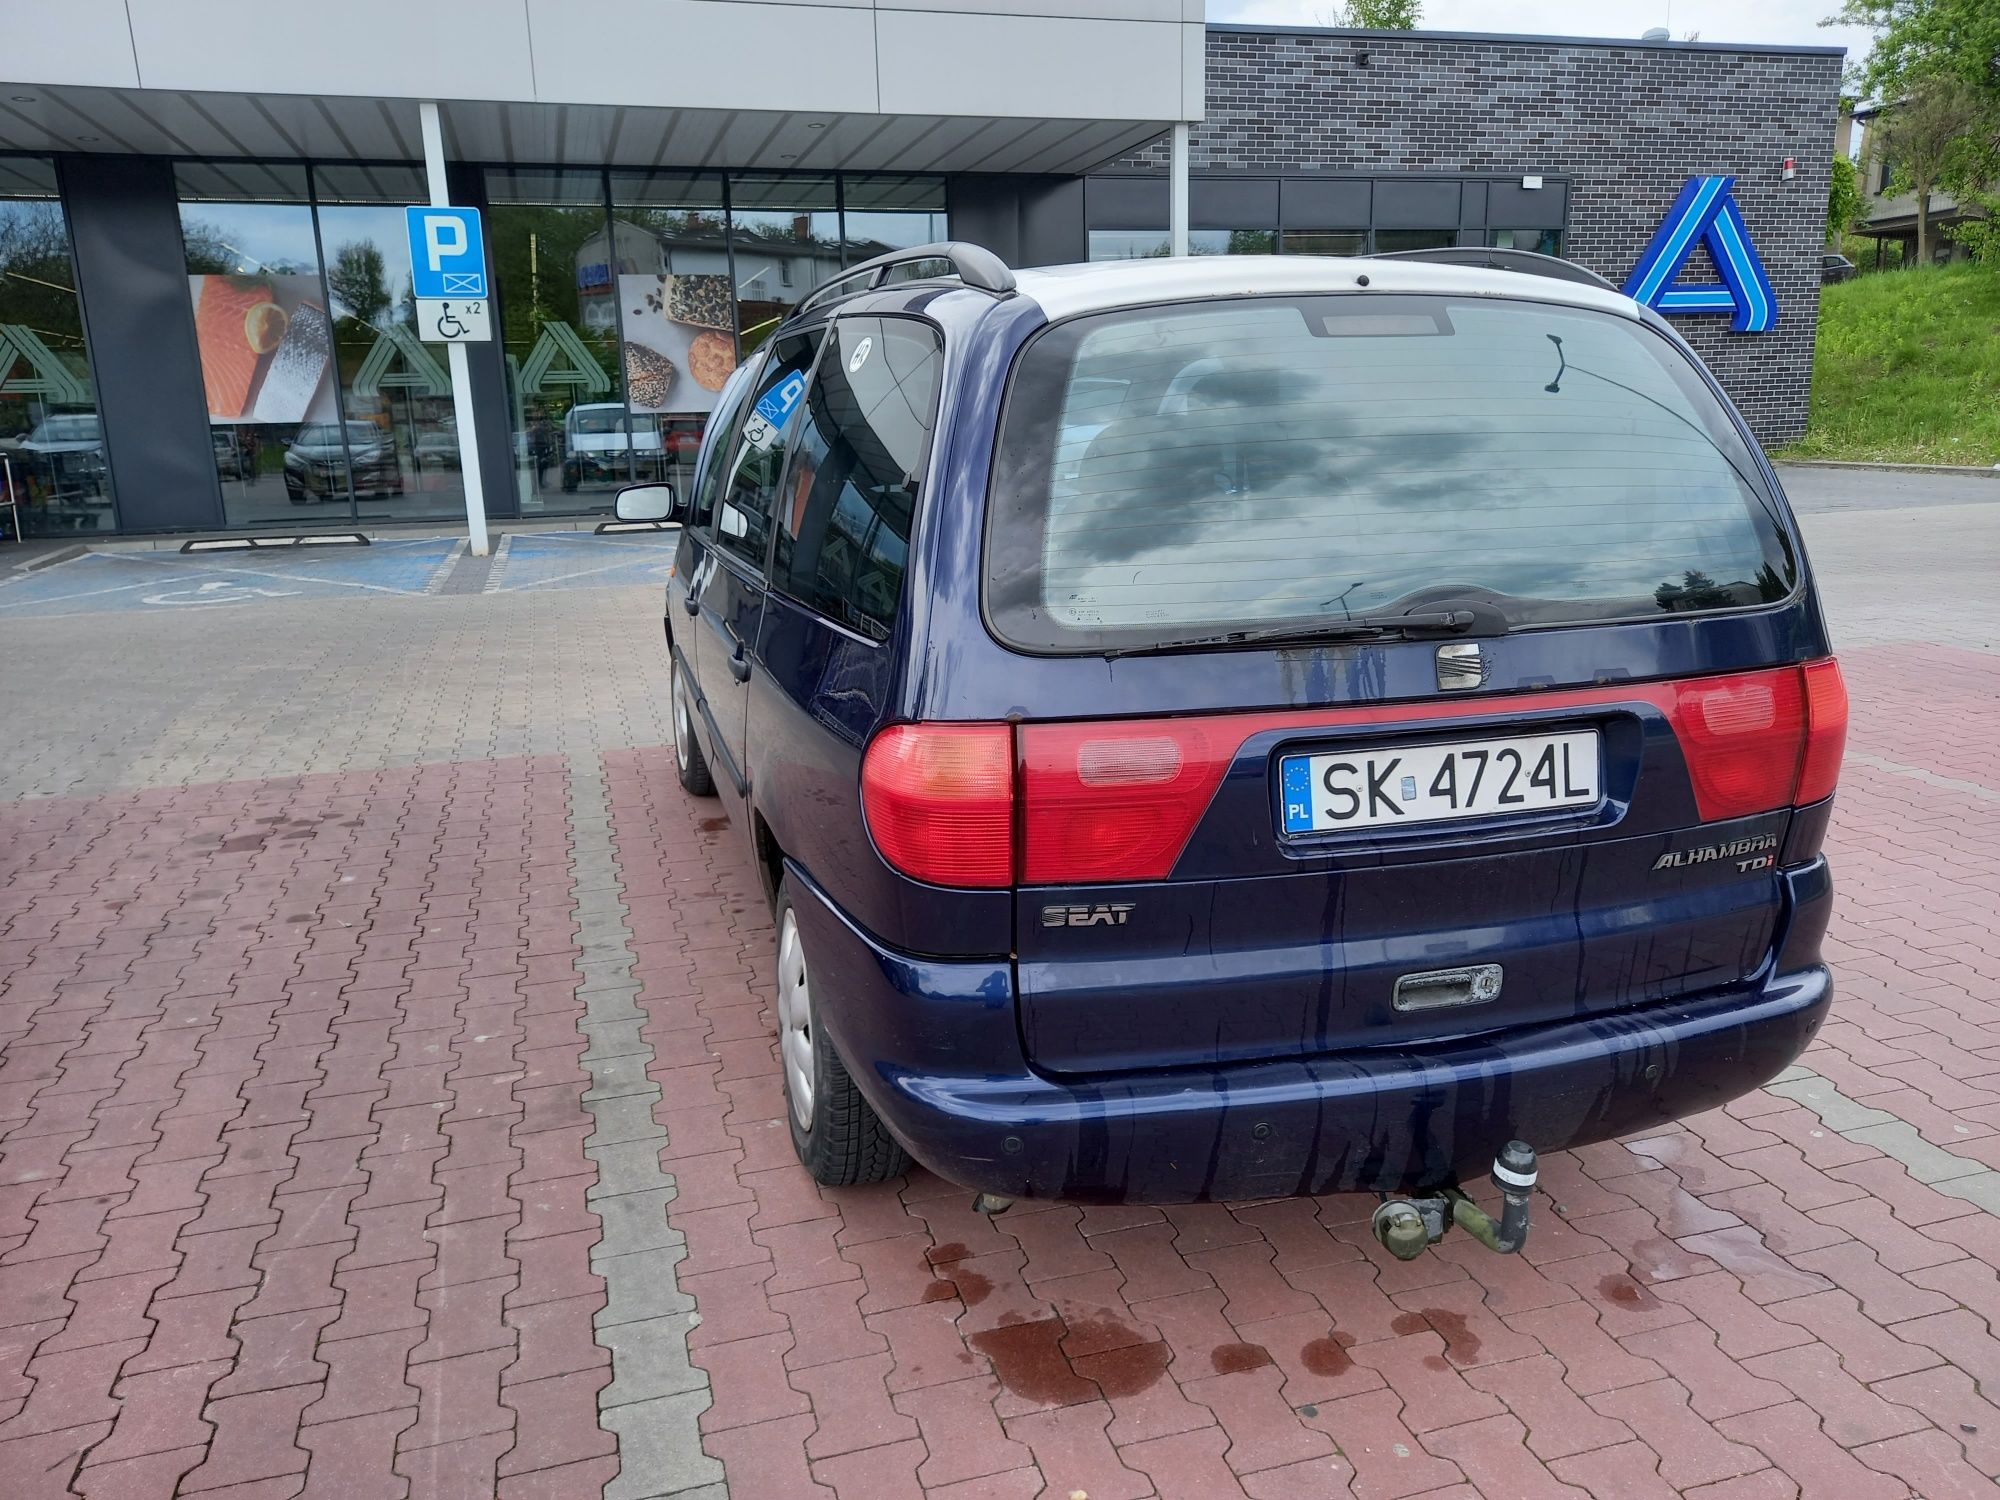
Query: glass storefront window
{"type": "Point", "coordinates": [1414, 239]}
{"type": "Point", "coordinates": [1127, 244]}
{"type": "Point", "coordinates": [395, 390]}
{"type": "Point", "coordinates": [1541, 241]}
{"type": "Point", "coordinates": [51, 441]}
{"type": "Point", "coordinates": [265, 340]}
{"type": "Point", "coordinates": [1326, 242]}
{"type": "Point", "coordinates": [891, 213]}
{"type": "Point", "coordinates": [676, 313]}
{"type": "Point", "coordinates": [785, 235]}
{"type": "Point", "coordinates": [552, 248]}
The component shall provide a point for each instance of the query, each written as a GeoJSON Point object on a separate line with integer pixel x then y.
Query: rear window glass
{"type": "Point", "coordinates": [1178, 472]}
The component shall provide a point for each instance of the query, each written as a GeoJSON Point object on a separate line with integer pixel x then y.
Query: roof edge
{"type": "Point", "coordinates": [1532, 38]}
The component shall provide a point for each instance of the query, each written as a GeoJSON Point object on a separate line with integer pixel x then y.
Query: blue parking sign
{"type": "Point", "coordinates": [447, 252]}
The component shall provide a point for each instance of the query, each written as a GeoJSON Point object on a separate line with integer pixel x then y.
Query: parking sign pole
{"type": "Point", "coordinates": [461, 378]}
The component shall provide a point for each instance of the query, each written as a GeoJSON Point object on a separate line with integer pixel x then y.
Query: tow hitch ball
{"type": "Point", "coordinates": [1407, 1226]}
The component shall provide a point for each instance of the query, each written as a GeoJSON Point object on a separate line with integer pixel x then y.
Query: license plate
{"type": "Point", "coordinates": [1413, 784]}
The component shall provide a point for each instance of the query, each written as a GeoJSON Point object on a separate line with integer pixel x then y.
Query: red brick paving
{"type": "Point", "coordinates": [274, 1069]}
{"type": "Point", "coordinates": [292, 1197]}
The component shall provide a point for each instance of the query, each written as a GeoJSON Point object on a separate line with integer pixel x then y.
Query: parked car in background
{"type": "Point", "coordinates": [69, 445]}
{"type": "Point", "coordinates": [600, 446]}
{"type": "Point", "coordinates": [1302, 726]}
{"type": "Point", "coordinates": [316, 462]}
{"type": "Point", "coordinates": [1835, 267]}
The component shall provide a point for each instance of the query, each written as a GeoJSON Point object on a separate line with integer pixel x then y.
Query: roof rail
{"type": "Point", "coordinates": [974, 265]}
{"type": "Point", "coordinates": [1527, 262]}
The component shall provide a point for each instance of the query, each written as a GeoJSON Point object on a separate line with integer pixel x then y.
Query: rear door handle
{"type": "Point", "coordinates": [739, 664]}
{"type": "Point", "coordinates": [691, 602]}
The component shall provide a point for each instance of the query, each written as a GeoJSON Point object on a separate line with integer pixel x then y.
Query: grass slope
{"type": "Point", "coordinates": [1908, 368]}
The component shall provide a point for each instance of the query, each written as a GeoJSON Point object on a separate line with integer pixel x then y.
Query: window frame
{"type": "Point", "coordinates": [924, 468]}
{"type": "Point", "coordinates": [760, 568]}
{"type": "Point", "coordinates": [713, 460]}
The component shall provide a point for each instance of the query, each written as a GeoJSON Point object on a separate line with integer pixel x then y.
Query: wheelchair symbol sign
{"type": "Point", "coordinates": [454, 320]}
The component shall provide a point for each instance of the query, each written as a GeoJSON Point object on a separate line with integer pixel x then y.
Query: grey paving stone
{"type": "Point", "coordinates": [649, 1359]}
{"type": "Point", "coordinates": [1819, 1095]}
{"type": "Point", "coordinates": [659, 1448]}
{"type": "Point", "coordinates": [642, 1285]}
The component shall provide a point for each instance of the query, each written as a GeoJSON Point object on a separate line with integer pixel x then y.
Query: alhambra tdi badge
{"type": "Point", "coordinates": [1755, 848]}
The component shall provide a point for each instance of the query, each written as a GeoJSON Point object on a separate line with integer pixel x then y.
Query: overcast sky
{"type": "Point", "coordinates": [1793, 21]}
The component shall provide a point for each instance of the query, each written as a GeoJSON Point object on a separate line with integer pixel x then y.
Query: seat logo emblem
{"type": "Point", "coordinates": [1705, 213]}
{"type": "Point", "coordinates": [1103, 914]}
{"type": "Point", "coordinates": [1460, 665]}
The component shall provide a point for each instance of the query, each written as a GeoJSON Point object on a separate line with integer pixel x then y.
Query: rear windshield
{"type": "Point", "coordinates": [1178, 472]}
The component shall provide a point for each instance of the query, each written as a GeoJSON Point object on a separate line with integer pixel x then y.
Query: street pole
{"type": "Point", "coordinates": [461, 376]}
{"type": "Point", "coordinates": [1177, 193]}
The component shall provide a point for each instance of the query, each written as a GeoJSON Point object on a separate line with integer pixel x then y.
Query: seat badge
{"type": "Point", "coordinates": [1102, 914]}
{"type": "Point", "coordinates": [1460, 666]}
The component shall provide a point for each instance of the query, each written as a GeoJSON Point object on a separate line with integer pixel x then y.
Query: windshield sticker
{"type": "Point", "coordinates": [773, 409]}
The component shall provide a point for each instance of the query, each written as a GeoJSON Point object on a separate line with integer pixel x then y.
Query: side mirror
{"type": "Point", "coordinates": [647, 502]}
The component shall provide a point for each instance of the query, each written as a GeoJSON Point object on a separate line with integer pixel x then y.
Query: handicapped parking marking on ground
{"type": "Point", "coordinates": [119, 581]}
{"type": "Point", "coordinates": [582, 559]}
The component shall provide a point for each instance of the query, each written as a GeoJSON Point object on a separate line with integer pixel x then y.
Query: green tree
{"type": "Point", "coordinates": [1935, 137]}
{"type": "Point", "coordinates": [1843, 199]}
{"type": "Point", "coordinates": [1380, 15]}
{"type": "Point", "coordinates": [358, 279]}
{"type": "Point", "coordinates": [1924, 38]}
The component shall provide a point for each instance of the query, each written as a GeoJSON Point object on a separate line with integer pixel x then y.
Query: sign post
{"type": "Point", "coordinates": [448, 277]}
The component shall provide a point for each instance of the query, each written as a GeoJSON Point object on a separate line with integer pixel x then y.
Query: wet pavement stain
{"type": "Point", "coordinates": [1234, 1359]}
{"type": "Point", "coordinates": [944, 1255]}
{"type": "Point", "coordinates": [1329, 1356]}
{"type": "Point", "coordinates": [712, 825]}
{"type": "Point", "coordinates": [1461, 1344]}
{"type": "Point", "coordinates": [1126, 1371]}
{"type": "Point", "coordinates": [1028, 1359]}
{"type": "Point", "coordinates": [1626, 1292]}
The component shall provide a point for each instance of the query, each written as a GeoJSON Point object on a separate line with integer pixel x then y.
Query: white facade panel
{"type": "Point", "coordinates": [706, 54]}
{"type": "Point", "coordinates": [1105, 10]}
{"type": "Point", "coordinates": [1029, 67]}
{"type": "Point", "coordinates": [413, 49]}
{"type": "Point", "coordinates": [72, 41]}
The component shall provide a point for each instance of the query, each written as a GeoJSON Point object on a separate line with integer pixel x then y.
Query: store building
{"type": "Point", "coordinates": [205, 311]}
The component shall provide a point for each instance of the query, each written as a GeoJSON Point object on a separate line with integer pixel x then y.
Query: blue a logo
{"type": "Point", "coordinates": [1705, 213]}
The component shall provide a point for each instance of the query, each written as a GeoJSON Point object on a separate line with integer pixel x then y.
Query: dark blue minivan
{"type": "Point", "coordinates": [1243, 726]}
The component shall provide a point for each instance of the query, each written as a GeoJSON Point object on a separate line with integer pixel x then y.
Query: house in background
{"type": "Point", "coordinates": [1891, 218]}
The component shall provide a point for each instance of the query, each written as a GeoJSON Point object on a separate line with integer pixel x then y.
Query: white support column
{"type": "Point", "coordinates": [1177, 194]}
{"type": "Point", "coordinates": [461, 378]}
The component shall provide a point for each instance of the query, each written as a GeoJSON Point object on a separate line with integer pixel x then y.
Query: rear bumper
{"type": "Point", "coordinates": [936, 1048]}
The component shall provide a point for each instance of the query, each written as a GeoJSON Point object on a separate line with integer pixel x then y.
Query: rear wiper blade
{"type": "Point", "coordinates": [1355, 628]}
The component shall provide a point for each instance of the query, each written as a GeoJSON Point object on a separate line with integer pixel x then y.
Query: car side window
{"type": "Point", "coordinates": [843, 522]}
{"type": "Point", "coordinates": [727, 430]}
{"type": "Point", "coordinates": [749, 489]}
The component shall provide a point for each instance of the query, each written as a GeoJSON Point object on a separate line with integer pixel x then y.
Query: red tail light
{"type": "Point", "coordinates": [1757, 741]}
{"type": "Point", "coordinates": [1116, 801]}
{"type": "Point", "coordinates": [1826, 730]}
{"type": "Point", "coordinates": [939, 800]}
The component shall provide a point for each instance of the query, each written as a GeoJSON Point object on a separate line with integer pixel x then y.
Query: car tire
{"type": "Point", "coordinates": [689, 763]}
{"type": "Point", "coordinates": [835, 1131]}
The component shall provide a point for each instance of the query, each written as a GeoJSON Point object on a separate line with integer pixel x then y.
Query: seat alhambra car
{"type": "Point", "coordinates": [1235, 727]}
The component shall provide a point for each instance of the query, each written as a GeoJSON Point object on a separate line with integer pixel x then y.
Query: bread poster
{"type": "Point", "coordinates": [266, 345]}
{"type": "Point", "coordinates": [680, 344]}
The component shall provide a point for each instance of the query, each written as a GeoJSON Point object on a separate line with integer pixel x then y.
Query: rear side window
{"type": "Point", "coordinates": [1177, 472]}
{"type": "Point", "coordinates": [844, 523]}
{"type": "Point", "coordinates": [750, 485]}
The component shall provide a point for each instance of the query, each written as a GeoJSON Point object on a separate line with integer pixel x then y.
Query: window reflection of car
{"type": "Point", "coordinates": [230, 462]}
{"type": "Point", "coordinates": [69, 443]}
{"type": "Point", "coordinates": [437, 447]}
{"type": "Point", "coordinates": [315, 465]}
{"type": "Point", "coordinates": [597, 445]}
